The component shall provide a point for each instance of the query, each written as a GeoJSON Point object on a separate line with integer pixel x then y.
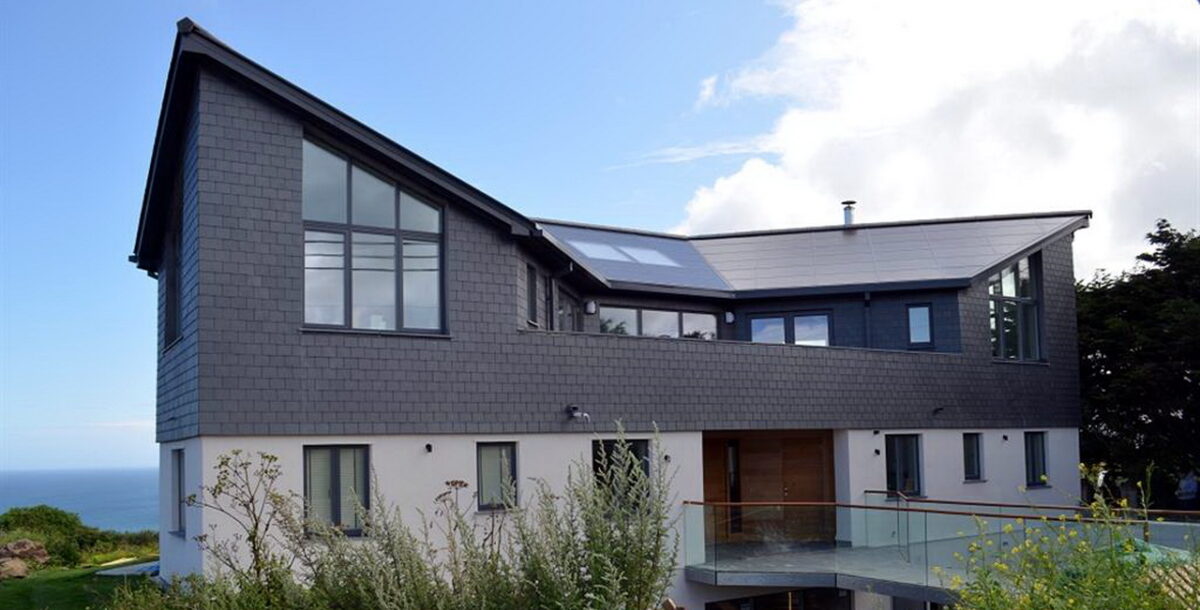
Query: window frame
{"type": "Point", "coordinates": [335, 480]}
{"type": "Point", "coordinates": [918, 345]}
{"type": "Point", "coordinates": [399, 235]}
{"type": "Point", "coordinates": [512, 464]}
{"type": "Point", "coordinates": [638, 311]}
{"type": "Point", "coordinates": [996, 303]}
{"type": "Point", "coordinates": [918, 468]}
{"type": "Point", "coordinates": [178, 492]}
{"type": "Point", "coordinates": [531, 296]}
{"type": "Point", "coordinates": [565, 295]}
{"type": "Point", "coordinates": [1032, 478]}
{"type": "Point", "coordinates": [789, 325]}
{"type": "Point", "coordinates": [977, 439]}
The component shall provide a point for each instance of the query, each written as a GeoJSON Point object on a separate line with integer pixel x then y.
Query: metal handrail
{"type": "Point", "coordinates": [928, 511]}
{"type": "Point", "coordinates": [1156, 511]}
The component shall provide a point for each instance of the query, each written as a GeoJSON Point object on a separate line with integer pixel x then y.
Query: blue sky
{"type": "Point", "coordinates": [669, 115]}
{"type": "Point", "coordinates": [548, 106]}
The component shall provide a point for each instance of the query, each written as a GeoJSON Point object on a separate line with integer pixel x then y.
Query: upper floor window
{"type": "Point", "coordinates": [1013, 311]}
{"type": "Point", "coordinates": [803, 329]}
{"type": "Point", "coordinates": [658, 323]}
{"type": "Point", "coordinates": [531, 300]}
{"type": "Point", "coordinates": [920, 326]}
{"type": "Point", "coordinates": [372, 252]}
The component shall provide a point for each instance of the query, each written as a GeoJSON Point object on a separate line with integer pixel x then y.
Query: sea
{"type": "Point", "coordinates": [120, 499]}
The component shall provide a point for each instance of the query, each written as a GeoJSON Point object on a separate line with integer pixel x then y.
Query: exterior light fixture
{"type": "Point", "coordinates": [590, 308]}
{"type": "Point", "coordinates": [876, 452]}
{"type": "Point", "coordinates": [575, 413]}
{"type": "Point", "coordinates": [729, 317]}
{"type": "Point", "coordinates": [428, 447]}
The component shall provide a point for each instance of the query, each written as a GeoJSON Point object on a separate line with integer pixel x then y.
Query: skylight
{"type": "Point", "coordinates": [648, 256]}
{"type": "Point", "coordinates": [606, 252]}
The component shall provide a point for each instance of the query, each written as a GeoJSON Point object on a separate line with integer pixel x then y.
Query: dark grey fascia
{"type": "Point", "coordinates": [1036, 245]}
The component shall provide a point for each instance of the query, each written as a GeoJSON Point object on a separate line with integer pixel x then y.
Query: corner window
{"type": "Point", "coordinates": [1035, 459]}
{"type": "Point", "coordinates": [336, 484]}
{"type": "Point", "coordinates": [357, 226]}
{"type": "Point", "coordinates": [904, 463]}
{"type": "Point", "coordinates": [531, 300]}
{"type": "Point", "coordinates": [1013, 311]}
{"type": "Point", "coordinates": [920, 326]}
{"type": "Point", "coordinates": [972, 457]}
{"type": "Point", "coordinates": [497, 471]}
{"type": "Point", "coordinates": [178, 493]}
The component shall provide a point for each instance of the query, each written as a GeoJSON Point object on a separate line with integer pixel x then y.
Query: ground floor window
{"type": "Point", "coordinates": [497, 465]}
{"type": "Point", "coordinates": [1035, 458]}
{"type": "Point", "coordinates": [972, 457]}
{"type": "Point", "coordinates": [178, 493]}
{"type": "Point", "coordinates": [336, 485]}
{"type": "Point", "coordinates": [904, 463]}
{"type": "Point", "coordinates": [602, 451]}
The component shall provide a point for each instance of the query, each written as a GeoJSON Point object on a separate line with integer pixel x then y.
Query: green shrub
{"type": "Point", "coordinates": [69, 541]}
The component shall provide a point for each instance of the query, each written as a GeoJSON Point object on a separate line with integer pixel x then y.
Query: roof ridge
{"type": "Point", "coordinates": [813, 229]}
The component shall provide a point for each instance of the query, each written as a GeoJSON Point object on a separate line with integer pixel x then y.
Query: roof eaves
{"type": "Point", "coordinates": [1033, 246]}
{"type": "Point", "coordinates": [882, 225]}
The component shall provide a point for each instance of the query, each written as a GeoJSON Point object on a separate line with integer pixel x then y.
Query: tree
{"type": "Point", "coordinates": [1139, 340]}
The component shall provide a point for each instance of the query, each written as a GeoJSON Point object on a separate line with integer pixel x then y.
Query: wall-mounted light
{"type": "Point", "coordinates": [938, 410]}
{"type": "Point", "coordinates": [729, 317]}
{"type": "Point", "coordinates": [875, 432]}
{"type": "Point", "coordinates": [876, 452]}
{"type": "Point", "coordinates": [590, 308]}
{"type": "Point", "coordinates": [428, 447]}
{"type": "Point", "coordinates": [1006, 438]}
{"type": "Point", "coordinates": [667, 458]}
{"type": "Point", "coordinates": [575, 413]}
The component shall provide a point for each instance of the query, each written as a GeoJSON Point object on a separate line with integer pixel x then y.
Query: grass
{"type": "Point", "coordinates": [66, 588]}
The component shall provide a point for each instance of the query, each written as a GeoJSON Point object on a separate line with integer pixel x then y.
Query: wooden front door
{"type": "Point", "coordinates": [770, 467]}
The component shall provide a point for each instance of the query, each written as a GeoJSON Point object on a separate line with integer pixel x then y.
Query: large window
{"type": "Point", "coordinates": [797, 329]}
{"type": "Point", "coordinates": [178, 493]}
{"type": "Point", "coordinates": [1035, 458]}
{"type": "Point", "coordinates": [336, 484]}
{"type": "Point", "coordinates": [972, 456]}
{"type": "Point", "coordinates": [920, 326]}
{"type": "Point", "coordinates": [497, 469]}
{"type": "Point", "coordinates": [357, 226]}
{"type": "Point", "coordinates": [1013, 311]}
{"type": "Point", "coordinates": [904, 463]}
{"type": "Point", "coordinates": [658, 323]}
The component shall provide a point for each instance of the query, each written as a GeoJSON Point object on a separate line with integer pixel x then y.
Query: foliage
{"type": "Point", "coordinates": [1098, 562]}
{"type": "Point", "coordinates": [65, 588]}
{"type": "Point", "coordinates": [68, 540]}
{"type": "Point", "coordinates": [606, 542]}
{"type": "Point", "coordinates": [1139, 338]}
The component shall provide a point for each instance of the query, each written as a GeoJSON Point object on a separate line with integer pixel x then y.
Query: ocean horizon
{"type": "Point", "coordinates": [122, 499]}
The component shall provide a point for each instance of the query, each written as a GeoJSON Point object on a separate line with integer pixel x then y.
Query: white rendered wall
{"type": "Point", "coordinates": [409, 477]}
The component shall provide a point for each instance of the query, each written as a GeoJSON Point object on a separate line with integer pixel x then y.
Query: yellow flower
{"type": "Point", "coordinates": [1008, 528]}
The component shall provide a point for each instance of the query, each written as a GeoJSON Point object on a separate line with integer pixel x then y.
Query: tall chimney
{"type": "Point", "coordinates": [848, 211]}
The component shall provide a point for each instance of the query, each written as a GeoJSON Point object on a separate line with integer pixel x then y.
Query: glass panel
{"type": "Point", "coordinates": [918, 325]}
{"type": "Point", "coordinates": [811, 329]}
{"type": "Point", "coordinates": [373, 282]}
{"type": "Point", "coordinates": [1008, 330]}
{"type": "Point", "coordinates": [618, 320]}
{"type": "Point", "coordinates": [324, 279]}
{"type": "Point", "coordinates": [971, 454]}
{"type": "Point", "coordinates": [323, 180]}
{"type": "Point", "coordinates": [903, 463]}
{"type": "Point", "coordinates": [995, 329]}
{"type": "Point", "coordinates": [422, 285]}
{"type": "Point", "coordinates": [495, 473]}
{"type": "Point", "coordinates": [700, 326]}
{"type": "Point", "coordinates": [352, 476]}
{"type": "Point", "coordinates": [660, 323]}
{"type": "Point", "coordinates": [318, 480]}
{"type": "Point", "coordinates": [531, 300]}
{"type": "Point", "coordinates": [1029, 331]}
{"type": "Point", "coordinates": [648, 256]}
{"type": "Point", "coordinates": [1008, 281]}
{"type": "Point", "coordinates": [766, 330]}
{"type": "Point", "coordinates": [1035, 458]}
{"type": "Point", "coordinates": [373, 201]}
{"type": "Point", "coordinates": [601, 251]}
{"type": "Point", "coordinates": [416, 215]}
{"type": "Point", "coordinates": [1024, 279]}
{"type": "Point", "coordinates": [568, 312]}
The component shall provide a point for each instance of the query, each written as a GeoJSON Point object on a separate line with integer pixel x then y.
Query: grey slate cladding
{"type": "Point", "coordinates": [245, 366]}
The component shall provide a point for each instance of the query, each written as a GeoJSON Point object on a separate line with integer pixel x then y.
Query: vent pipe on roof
{"type": "Point", "coordinates": [848, 211]}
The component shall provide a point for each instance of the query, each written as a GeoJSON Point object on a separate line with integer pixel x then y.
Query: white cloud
{"type": "Point", "coordinates": [933, 108]}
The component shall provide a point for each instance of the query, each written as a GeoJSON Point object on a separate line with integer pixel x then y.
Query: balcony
{"type": "Point", "coordinates": [889, 545]}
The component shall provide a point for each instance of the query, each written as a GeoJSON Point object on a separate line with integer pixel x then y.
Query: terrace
{"type": "Point", "coordinates": [892, 544]}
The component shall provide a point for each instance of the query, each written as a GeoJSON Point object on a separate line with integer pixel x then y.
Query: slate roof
{"type": "Point", "coordinates": [900, 255]}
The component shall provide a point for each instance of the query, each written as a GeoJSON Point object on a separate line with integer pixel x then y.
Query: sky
{"type": "Point", "coordinates": [669, 115]}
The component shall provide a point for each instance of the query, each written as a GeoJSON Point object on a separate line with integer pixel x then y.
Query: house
{"type": "Point", "coordinates": [328, 296]}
